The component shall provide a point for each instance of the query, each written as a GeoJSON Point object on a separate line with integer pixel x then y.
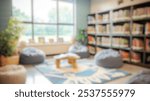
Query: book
{"type": "Point", "coordinates": [125, 55]}
{"type": "Point", "coordinates": [121, 29]}
{"type": "Point", "coordinates": [135, 57]}
{"type": "Point", "coordinates": [147, 28]}
{"type": "Point", "coordinates": [91, 19]}
{"type": "Point", "coordinates": [104, 29]}
{"type": "Point", "coordinates": [137, 29]}
{"type": "Point", "coordinates": [120, 42]}
{"type": "Point", "coordinates": [141, 12]}
{"type": "Point", "coordinates": [91, 40]}
{"type": "Point", "coordinates": [91, 49]}
{"type": "Point", "coordinates": [91, 29]}
{"type": "Point", "coordinates": [121, 15]}
{"type": "Point", "coordinates": [137, 44]}
{"type": "Point", "coordinates": [103, 18]}
{"type": "Point", "coordinates": [148, 45]}
{"type": "Point", "coordinates": [106, 41]}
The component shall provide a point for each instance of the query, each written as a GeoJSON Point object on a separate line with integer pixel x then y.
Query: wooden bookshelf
{"type": "Point", "coordinates": [125, 29]}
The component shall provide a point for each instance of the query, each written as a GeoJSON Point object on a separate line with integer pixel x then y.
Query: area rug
{"type": "Point", "coordinates": [87, 73]}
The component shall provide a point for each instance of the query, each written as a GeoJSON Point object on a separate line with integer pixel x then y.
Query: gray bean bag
{"type": "Point", "coordinates": [31, 56]}
{"type": "Point", "coordinates": [140, 78]}
{"type": "Point", "coordinates": [108, 59]}
{"type": "Point", "coordinates": [80, 50]}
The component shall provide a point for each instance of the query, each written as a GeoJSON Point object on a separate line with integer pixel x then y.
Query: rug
{"type": "Point", "coordinates": [87, 73]}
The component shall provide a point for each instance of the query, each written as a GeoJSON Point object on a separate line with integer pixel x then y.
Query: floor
{"type": "Point", "coordinates": [35, 77]}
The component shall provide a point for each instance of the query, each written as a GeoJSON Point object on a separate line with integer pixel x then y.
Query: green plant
{"type": "Point", "coordinates": [82, 37]}
{"type": "Point", "coordinates": [9, 37]}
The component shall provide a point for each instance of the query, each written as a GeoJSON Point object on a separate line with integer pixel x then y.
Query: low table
{"type": "Point", "coordinates": [68, 56]}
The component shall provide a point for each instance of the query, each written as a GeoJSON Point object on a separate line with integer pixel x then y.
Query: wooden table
{"type": "Point", "coordinates": [69, 56]}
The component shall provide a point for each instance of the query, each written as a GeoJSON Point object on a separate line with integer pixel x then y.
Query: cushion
{"type": "Point", "coordinates": [141, 78]}
{"type": "Point", "coordinates": [12, 74]}
{"type": "Point", "coordinates": [31, 56]}
{"type": "Point", "coordinates": [108, 58]}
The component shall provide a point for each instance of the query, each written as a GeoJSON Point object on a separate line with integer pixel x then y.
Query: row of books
{"type": "Point", "coordinates": [91, 29]}
{"type": "Point", "coordinates": [139, 13]}
{"type": "Point", "coordinates": [135, 57]}
{"type": "Point", "coordinates": [105, 41]}
{"type": "Point", "coordinates": [105, 29]}
{"type": "Point", "coordinates": [91, 40]}
{"type": "Point", "coordinates": [147, 28]}
{"type": "Point", "coordinates": [120, 42]}
{"type": "Point", "coordinates": [137, 44]}
{"type": "Point", "coordinates": [148, 44]}
{"type": "Point", "coordinates": [91, 49]}
{"type": "Point", "coordinates": [91, 19]}
{"type": "Point", "coordinates": [122, 29]}
{"type": "Point", "coordinates": [137, 28]}
{"type": "Point", "coordinates": [103, 18]}
{"type": "Point", "coordinates": [121, 15]}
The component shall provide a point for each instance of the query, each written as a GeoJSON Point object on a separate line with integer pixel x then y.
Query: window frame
{"type": "Point", "coordinates": [57, 24]}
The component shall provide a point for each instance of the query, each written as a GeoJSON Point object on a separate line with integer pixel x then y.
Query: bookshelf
{"type": "Point", "coordinates": [125, 29]}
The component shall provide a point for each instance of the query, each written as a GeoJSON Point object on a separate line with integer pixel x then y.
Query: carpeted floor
{"type": "Point", "coordinates": [87, 73]}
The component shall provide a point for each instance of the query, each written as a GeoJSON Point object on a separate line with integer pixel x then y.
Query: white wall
{"type": "Point", "coordinates": [102, 5]}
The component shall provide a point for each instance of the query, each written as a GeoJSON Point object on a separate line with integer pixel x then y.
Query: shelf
{"type": "Point", "coordinates": [121, 21]}
{"type": "Point", "coordinates": [103, 46]}
{"type": "Point", "coordinates": [91, 44]}
{"type": "Point", "coordinates": [91, 34]}
{"type": "Point", "coordinates": [121, 25]}
{"type": "Point", "coordinates": [121, 35]}
{"type": "Point", "coordinates": [91, 24]}
{"type": "Point", "coordinates": [103, 35]}
{"type": "Point", "coordinates": [141, 19]}
{"type": "Point", "coordinates": [139, 36]}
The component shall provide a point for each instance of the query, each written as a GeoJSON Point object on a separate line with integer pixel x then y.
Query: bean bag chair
{"type": "Point", "coordinates": [141, 78]}
{"type": "Point", "coordinates": [31, 56]}
{"type": "Point", "coordinates": [12, 74]}
{"type": "Point", "coordinates": [80, 50]}
{"type": "Point", "coordinates": [108, 59]}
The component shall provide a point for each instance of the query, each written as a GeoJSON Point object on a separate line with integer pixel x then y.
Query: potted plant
{"type": "Point", "coordinates": [8, 42]}
{"type": "Point", "coordinates": [81, 38]}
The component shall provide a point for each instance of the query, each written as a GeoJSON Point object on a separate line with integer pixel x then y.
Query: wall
{"type": "Point", "coordinates": [82, 10]}
{"type": "Point", "coordinates": [102, 5]}
{"type": "Point", "coordinates": [5, 12]}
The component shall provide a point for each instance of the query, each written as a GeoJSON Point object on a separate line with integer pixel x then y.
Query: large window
{"type": "Point", "coordinates": [51, 19]}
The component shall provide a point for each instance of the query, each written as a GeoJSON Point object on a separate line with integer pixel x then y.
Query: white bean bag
{"type": "Point", "coordinates": [12, 74]}
{"type": "Point", "coordinates": [31, 56]}
{"type": "Point", "coordinates": [108, 59]}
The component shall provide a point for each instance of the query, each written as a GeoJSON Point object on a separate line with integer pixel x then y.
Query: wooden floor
{"type": "Point", "coordinates": [35, 77]}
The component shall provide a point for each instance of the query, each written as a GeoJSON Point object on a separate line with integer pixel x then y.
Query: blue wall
{"type": "Point", "coordinates": [82, 10]}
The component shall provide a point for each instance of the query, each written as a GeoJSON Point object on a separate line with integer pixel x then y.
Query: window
{"type": "Point", "coordinates": [51, 19]}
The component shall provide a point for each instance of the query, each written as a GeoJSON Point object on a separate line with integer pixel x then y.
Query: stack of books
{"type": "Point", "coordinates": [106, 41]}
{"type": "Point", "coordinates": [91, 49]}
{"type": "Point", "coordinates": [120, 42]}
{"type": "Point", "coordinates": [148, 45]}
{"type": "Point", "coordinates": [122, 29]}
{"type": "Point", "coordinates": [140, 13]}
{"type": "Point", "coordinates": [147, 28]}
{"type": "Point", "coordinates": [148, 59]}
{"type": "Point", "coordinates": [91, 19]}
{"type": "Point", "coordinates": [137, 44]}
{"type": "Point", "coordinates": [104, 29]}
{"type": "Point", "coordinates": [137, 29]}
{"type": "Point", "coordinates": [125, 55]}
{"type": "Point", "coordinates": [98, 40]}
{"type": "Point", "coordinates": [103, 18]}
{"type": "Point", "coordinates": [135, 57]}
{"type": "Point", "coordinates": [91, 30]}
{"type": "Point", "coordinates": [121, 15]}
{"type": "Point", "coordinates": [91, 40]}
